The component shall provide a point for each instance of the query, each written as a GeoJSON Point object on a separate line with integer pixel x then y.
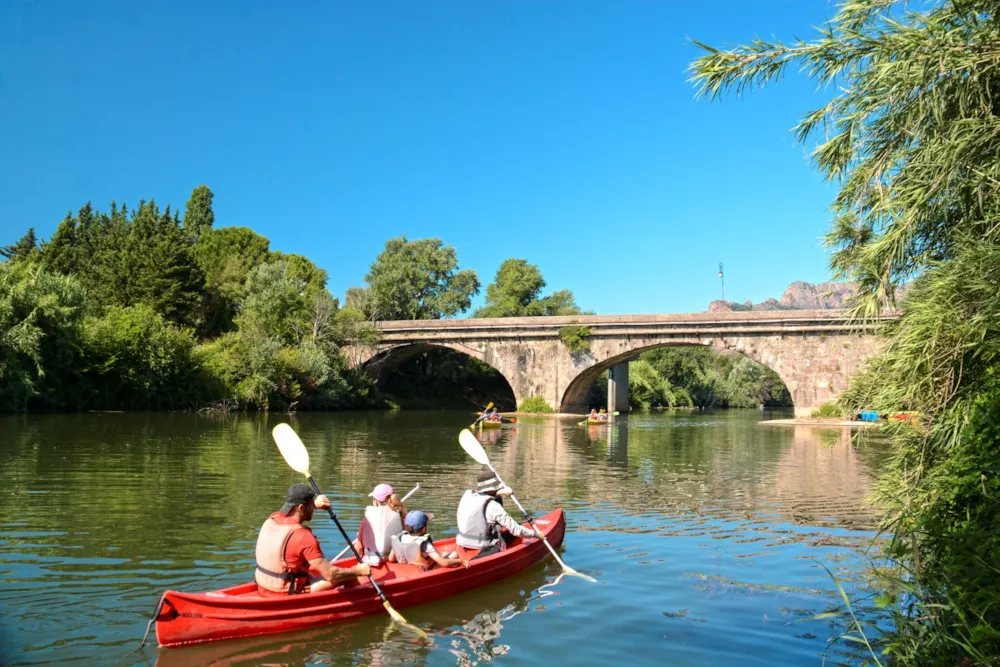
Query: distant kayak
{"type": "Point", "coordinates": [489, 424]}
{"type": "Point", "coordinates": [192, 618]}
{"type": "Point", "coordinates": [596, 422]}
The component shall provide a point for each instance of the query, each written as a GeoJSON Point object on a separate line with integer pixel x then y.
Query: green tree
{"type": "Point", "coordinates": [303, 269]}
{"type": "Point", "coordinates": [648, 389]}
{"type": "Point", "coordinates": [261, 373]}
{"type": "Point", "coordinates": [226, 256]}
{"type": "Point", "coordinates": [198, 214]}
{"type": "Point", "coordinates": [40, 316]}
{"type": "Point", "coordinates": [160, 265]}
{"type": "Point", "coordinates": [26, 246]}
{"type": "Point", "coordinates": [749, 384]}
{"type": "Point", "coordinates": [910, 138]}
{"type": "Point", "coordinates": [701, 372]}
{"type": "Point", "coordinates": [561, 302]}
{"type": "Point", "coordinates": [135, 359]}
{"type": "Point", "coordinates": [124, 258]}
{"type": "Point", "coordinates": [76, 243]}
{"type": "Point", "coordinates": [275, 304]}
{"type": "Point", "coordinates": [417, 280]}
{"type": "Point", "coordinates": [102, 320]}
{"type": "Point", "coordinates": [516, 290]}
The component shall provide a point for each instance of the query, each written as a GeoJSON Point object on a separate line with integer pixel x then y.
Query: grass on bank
{"type": "Point", "coordinates": [535, 404]}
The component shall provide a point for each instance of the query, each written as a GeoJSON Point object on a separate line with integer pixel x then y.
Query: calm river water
{"type": "Point", "coordinates": [707, 532]}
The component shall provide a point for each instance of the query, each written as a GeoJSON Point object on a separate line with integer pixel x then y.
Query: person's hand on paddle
{"type": "Point", "coordinates": [361, 569]}
{"type": "Point", "coordinates": [321, 502]}
{"type": "Point", "coordinates": [465, 564]}
{"type": "Point", "coordinates": [506, 491]}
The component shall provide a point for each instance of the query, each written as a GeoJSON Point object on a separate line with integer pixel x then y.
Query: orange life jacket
{"type": "Point", "coordinates": [272, 572]}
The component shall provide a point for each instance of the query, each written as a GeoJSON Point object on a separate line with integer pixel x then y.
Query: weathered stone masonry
{"type": "Point", "coordinates": [815, 352]}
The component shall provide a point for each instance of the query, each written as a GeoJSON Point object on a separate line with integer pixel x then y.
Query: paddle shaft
{"type": "Point", "coordinates": [350, 543]}
{"type": "Point", "coordinates": [531, 522]}
{"type": "Point", "coordinates": [404, 499]}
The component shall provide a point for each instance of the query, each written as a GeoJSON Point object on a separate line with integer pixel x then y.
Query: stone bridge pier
{"type": "Point", "coordinates": [814, 352]}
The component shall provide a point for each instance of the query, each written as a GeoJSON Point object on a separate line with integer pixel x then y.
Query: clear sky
{"type": "Point", "coordinates": [565, 133]}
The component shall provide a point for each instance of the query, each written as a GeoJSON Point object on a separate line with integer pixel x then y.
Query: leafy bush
{"type": "Point", "coordinates": [647, 388]}
{"type": "Point", "coordinates": [262, 374]}
{"type": "Point", "coordinates": [574, 337]}
{"type": "Point", "coordinates": [748, 384]}
{"type": "Point", "coordinates": [40, 316]}
{"type": "Point", "coordinates": [535, 404]}
{"type": "Point", "coordinates": [828, 410]}
{"type": "Point", "coordinates": [135, 359]}
{"type": "Point", "coordinates": [700, 376]}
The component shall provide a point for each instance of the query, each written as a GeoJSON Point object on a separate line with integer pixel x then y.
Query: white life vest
{"type": "Point", "coordinates": [272, 573]}
{"type": "Point", "coordinates": [407, 547]}
{"type": "Point", "coordinates": [474, 532]}
{"type": "Point", "coordinates": [381, 522]}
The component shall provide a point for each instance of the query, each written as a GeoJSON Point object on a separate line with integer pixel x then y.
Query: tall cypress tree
{"type": "Point", "coordinates": [198, 214]}
{"type": "Point", "coordinates": [59, 252]}
{"type": "Point", "coordinates": [164, 273]}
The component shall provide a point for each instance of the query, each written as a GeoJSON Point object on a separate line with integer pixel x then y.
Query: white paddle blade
{"type": "Point", "coordinates": [291, 448]}
{"type": "Point", "coordinates": [473, 447]}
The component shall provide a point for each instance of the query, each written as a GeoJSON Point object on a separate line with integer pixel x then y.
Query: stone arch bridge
{"type": "Point", "coordinates": [815, 352]}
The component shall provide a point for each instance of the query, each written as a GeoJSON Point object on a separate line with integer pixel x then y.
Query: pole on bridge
{"type": "Point", "coordinates": [722, 281]}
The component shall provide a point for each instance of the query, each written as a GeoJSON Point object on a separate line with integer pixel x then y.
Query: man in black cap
{"type": "Point", "coordinates": [481, 517]}
{"type": "Point", "coordinates": [289, 559]}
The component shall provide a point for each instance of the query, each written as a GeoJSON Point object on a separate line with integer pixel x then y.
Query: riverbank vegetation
{"type": "Point", "coordinates": [700, 377]}
{"type": "Point", "coordinates": [141, 309]}
{"type": "Point", "coordinates": [535, 404]}
{"type": "Point", "coordinates": [149, 309]}
{"type": "Point", "coordinates": [910, 137]}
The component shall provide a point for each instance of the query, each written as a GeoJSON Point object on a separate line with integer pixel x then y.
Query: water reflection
{"type": "Point", "coordinates": [467, 628]}
{"type": "Point", "coordinates": [705, 530]}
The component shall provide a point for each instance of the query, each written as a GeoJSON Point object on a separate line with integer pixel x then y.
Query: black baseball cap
{"type": "Point", "coordinates": [298, 494]}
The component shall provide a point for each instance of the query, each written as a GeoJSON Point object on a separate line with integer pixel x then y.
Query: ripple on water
{"type": "Point", "coordinates": [706, 534]}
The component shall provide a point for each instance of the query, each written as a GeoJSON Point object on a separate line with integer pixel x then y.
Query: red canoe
{"type": "Point", "coordinates": [190, 618]}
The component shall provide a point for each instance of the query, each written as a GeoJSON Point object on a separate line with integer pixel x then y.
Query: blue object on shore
{"type": "Point", "coordinates": [869, 416]}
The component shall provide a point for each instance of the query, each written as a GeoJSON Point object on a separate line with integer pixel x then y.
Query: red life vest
{"type": "Point", "coordinates": [272, 572]}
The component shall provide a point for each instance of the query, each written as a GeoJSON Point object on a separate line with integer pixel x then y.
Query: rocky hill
{"type": "Point", "coordinates": [798, 296]}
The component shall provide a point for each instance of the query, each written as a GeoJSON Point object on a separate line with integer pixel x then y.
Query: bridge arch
{"type": "Point", "coordinates": [380, 362]}
{"type": "Point", "coordinates": [575, 395]}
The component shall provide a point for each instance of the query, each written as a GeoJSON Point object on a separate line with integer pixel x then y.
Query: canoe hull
{"type": "Point", "coordinates": [191, 618]}
{"type": "Point", "coordinates": [488, 424]}
{"type": "Point", "coordinates": [596, 422]}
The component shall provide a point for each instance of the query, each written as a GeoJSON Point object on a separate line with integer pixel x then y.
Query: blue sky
{"type": "Point", "coordinates": [563, 133]}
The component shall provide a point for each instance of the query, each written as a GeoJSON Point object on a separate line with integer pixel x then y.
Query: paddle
{"type": "Point", "coordinates": [297, 458]}
{"type": "Point", "coordinates": [584, 422]}
{"type": "Point", "coordinates": [482, 416]}
{"type": "Point", "coordinates": [404, 499]}
{"type": "Point", "coordinates": [474, 449]}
